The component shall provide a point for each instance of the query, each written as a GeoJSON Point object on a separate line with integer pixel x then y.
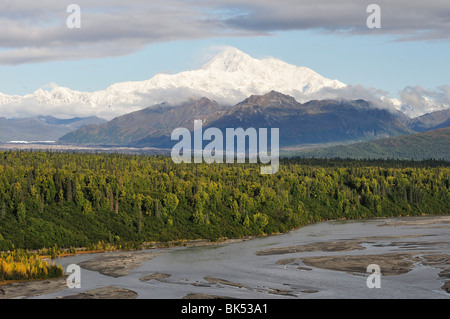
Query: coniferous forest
{"type": "Point", "coordinates": [50, 199]}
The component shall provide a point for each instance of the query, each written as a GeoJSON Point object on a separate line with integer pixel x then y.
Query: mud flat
{"type": "Point", "coordinates": [446, 286]}
{"type": "Point", "coordinates": [109, 292]}
{"type": "Point", "coordinates": [204, 296]}
{"type": "Point", "coordinates": [324, 246]}
{"type": "Point", "coordinates": [32, 288]}
{"type": "Point", "coordinates": [118, 264]}
{"type": "Point", "coordinates": [390, 264]}
{"type": "Point", "coordinates": [439, 221]}
{"type": "Point", "coordinates": [214, 280]}
{"type": "Point", "coordinates": [155, 276]}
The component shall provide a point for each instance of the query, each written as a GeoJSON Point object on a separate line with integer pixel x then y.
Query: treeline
{"type": "Point", "coordinates": [80, 199]}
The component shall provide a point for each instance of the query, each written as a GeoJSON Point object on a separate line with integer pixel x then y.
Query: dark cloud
{"type": "Point", "coordinates": [35, 31]}
{"type": "Point", "coordinates": [408, 20]}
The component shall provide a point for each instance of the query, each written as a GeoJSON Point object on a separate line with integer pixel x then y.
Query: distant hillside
{"type": "Point", "coordinates": [41, 128]}
{"type": "Point", "coordinates": [430, 121]}
{"type": "Point", "coordinates": [146, 127]}
{"type": "Point", "coordinates": [431, 144]}
{"type": "Point", "coordinates": [324, 121]}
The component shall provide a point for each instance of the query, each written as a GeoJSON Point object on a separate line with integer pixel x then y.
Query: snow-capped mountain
{"type": "Point", "coordinates": [426, 106]}
{"type": "Point", "coordinates": [235, 75]}
{"type": "Point", "coordinates": [228, 78]}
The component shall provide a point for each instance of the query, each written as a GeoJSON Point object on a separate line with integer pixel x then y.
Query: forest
{"type": "Point", "coordinates": [23, 265]}
{"type": "Point", "coordinates": [61, 199]}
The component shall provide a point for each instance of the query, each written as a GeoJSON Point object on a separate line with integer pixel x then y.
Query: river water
{"type": "Point", "coordinates": [240, 273]}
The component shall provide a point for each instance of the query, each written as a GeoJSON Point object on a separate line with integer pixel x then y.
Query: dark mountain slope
{"type": "Point", "coordinates": [150, 123]}
{"type": "Point", "coordinates": [309, 123]}
{"type": "Point", "coordinates": [426, 145]}
{"type": "Point", "coordinates": [430, 121]}
{"type": "Point", "coordinates": [313, 122]}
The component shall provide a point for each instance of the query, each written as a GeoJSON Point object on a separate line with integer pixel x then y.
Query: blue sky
{"type": "Point", "coordinates": [132, 41]}
{"type": "Point", "coordinates": [379, 62]}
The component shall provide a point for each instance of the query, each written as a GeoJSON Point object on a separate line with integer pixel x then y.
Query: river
{"type": "Point", "coordinates": [322, 260]}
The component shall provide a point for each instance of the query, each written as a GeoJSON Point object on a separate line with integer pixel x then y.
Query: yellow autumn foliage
{"type": "Point", "coordinates": [21, 265]}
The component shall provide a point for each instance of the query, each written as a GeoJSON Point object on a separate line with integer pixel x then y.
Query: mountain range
{"type": "Point", "coordinates": [232, 90]}
{"type": "Point", "coordinates": [41, 128]}
{"type": "Point", "coordinates": [432, 144]}
{"type": "Point", "coordinates": [305, 128]}
{"type": "Point", "coordinates": [430, 121]}
{"type": "Point", "coordinates": [156, 122]}
{"type": "Point", "coordinates": [313, 122]}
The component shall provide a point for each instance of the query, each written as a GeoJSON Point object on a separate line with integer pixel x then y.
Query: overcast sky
{"type": "Point", "coordinates": [133, 40]}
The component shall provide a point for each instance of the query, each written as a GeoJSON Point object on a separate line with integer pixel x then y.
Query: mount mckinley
{"type": "Point", "coordinates": [228, 78]}
{"type": "Point", "coordinates": [232, 90]}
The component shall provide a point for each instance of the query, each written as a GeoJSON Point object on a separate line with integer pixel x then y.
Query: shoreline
{"type": "Point", "coordinates": [225, 240]}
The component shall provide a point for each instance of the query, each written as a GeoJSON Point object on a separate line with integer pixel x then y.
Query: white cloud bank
{"type": "Point", "coordinates": [228, 78]}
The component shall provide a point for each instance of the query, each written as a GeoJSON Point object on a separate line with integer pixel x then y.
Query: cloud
{"type": "Point", "coordinates": [36, 31]}
{"type": "Point", "coordinates": [66, 103]}
{"type": "Point", "coordinates": [413, 100]}
{"type": "Point", "coordinates": [349, 92]}
{"type": "Point", "coordinates": [421, 100]}
{"type": "Point", "coordinates": [407, 20]}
